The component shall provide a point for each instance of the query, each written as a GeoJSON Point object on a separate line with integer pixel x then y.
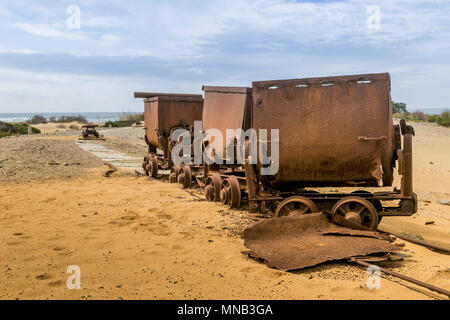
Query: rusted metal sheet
{"type": "Point", "coordinates": [300, 241]}
{"type": "Point", "coordinates": [332, 130]}
{"type": "Point", "coordinates": [226, 108]}
{"type": "Point", "coordinates": [164, 112]}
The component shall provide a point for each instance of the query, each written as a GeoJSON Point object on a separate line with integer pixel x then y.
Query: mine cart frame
{"type": "Point", "coordinates": [164, 113]}
{"type": "Point", "coordinates": [361, 206]}
{"type": "Point", "coordinates": [89, 130]}
{"type": "Point", "coordinates": [224, 108]}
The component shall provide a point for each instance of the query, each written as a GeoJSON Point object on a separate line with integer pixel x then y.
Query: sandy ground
{"type": "Point", "coordinates": [135, 238]}
{"type": "Point", "coordinates": [57, 127]}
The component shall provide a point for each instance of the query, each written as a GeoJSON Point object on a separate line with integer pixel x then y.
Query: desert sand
{"type": "Point", "coordinates": [139, 238]}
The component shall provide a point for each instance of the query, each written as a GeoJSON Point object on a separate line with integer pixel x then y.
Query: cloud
{"type": "Point", "coordinates": [101, 22]}
{"type": "Point", "coordinates": [185, 44]}
{"type": "Point", "coordinates": [48, 31]}
{"type": "Point", "coordinates": [109, 40]}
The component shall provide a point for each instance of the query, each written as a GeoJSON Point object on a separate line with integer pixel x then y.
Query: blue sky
{"type": "Point", "coordinates": [177, 46]}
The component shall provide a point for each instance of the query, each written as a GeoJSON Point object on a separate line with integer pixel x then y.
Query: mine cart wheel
{"type": "Point", "coordinates": [376, 203]}
{"type": "Point", "coordinates": [153, 167]}
{"type": "Point", "coordinates": [230, 192]}
{"type": "Point", "coordinates": [144, 165]}
{"type": "Point", "coordinates": [295, 205]}
{"type": "Point", "coordinates": [185, 176]}
{"type": "Point", "coordinates": [174, 173]}
{"type": "Point", "coordinates": [212, 188]}
{"type": "Point", "coordinates": [357, 210]}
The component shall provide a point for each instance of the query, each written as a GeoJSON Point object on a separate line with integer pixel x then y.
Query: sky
{"type": "Point", "coordinates": [88, 55]}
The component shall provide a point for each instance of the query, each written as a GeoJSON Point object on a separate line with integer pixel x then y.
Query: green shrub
{"type": "Point", "coordinates": [7, 129]}
{"type": "Point", "coordinates": [433, 118]}
{"type": "Point", "coordinates": [125, 120]}
{"type": "Point", "coordinates": [118, 124]}
{"type": "Point", "coordinates": [444, 119]}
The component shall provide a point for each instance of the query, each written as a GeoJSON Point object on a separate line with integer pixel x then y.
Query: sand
{"type": "Point", "coordinates": [137, 238]}
{"type": "Point", "coordinates": [52, 127]}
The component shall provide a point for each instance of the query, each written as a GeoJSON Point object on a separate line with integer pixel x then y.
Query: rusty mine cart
{"type": "Point", "coordinates": [89, 131]}
{"type": "Point", "coordinates": [163, 113]}
{"type": "Point", "coordinates": [333, 132]}
{"type": "Point", "coordinates": [224, 108]}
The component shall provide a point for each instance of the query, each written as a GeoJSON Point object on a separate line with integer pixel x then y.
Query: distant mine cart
{"type": "Point", "coordinates": [333, 132]}
{"type": "Point", "coordinates": [89, 131]}
{"type": "Point", "coordinates": [224, 108]}
{"type": "Point", "coordinates": [164, 113]}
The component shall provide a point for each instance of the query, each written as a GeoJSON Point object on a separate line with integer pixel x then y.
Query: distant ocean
{"type": "Point", "coordinates": [90, 116]}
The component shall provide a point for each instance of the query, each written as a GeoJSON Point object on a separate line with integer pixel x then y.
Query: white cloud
{"type": "Point", "coordinates": [109, 40]}
{"type": "Point", "coordinates": [101, 22]}
{"type": "Point", "coordinates": [49, 31]}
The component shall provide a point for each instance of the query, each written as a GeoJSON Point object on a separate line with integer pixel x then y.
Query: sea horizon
{"type": "Point", "coordinates": [90, 116]}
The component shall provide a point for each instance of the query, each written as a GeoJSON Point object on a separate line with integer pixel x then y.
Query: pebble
{"type": "Point", "coordinates": [444, 202]}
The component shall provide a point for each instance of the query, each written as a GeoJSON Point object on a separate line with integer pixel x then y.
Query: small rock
{"type": "Point", "coordinates": [65, 164]}
{"type": "Point", "coordinates": [394, 258]}
{"type": "Point", "coordinates": [445, 202]}
{"type": "Point", "coordinates": [429, 222]}
{"type": "Point", "coordinates": [52, 163]}
{"type": "Point", "coordinates": [412, 236]}
{"type": "Point", "coordinates": [431, 162]}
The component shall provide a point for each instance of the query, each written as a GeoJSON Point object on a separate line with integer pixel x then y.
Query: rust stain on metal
{"type": "Point", "coordinates": [296, 242]}
{"type": "Point", "coordinates": [355, 142]}
{"type": "Point", "coordinates": [226, 108]}
{"type": "Point", "coordinates": [165, 112]}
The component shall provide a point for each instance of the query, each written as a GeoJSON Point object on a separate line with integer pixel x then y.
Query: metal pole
{"type": "Point", "coordinates": [406, 278]}
{"type": "Point", "coordinates": [419, 242]}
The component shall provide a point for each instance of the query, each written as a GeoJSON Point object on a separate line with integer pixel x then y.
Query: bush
{"type": "Point", "coordinates": [74, 127]}
{"type": "Point", "coordinates": [118, 124]}
{"type": "Point", "coordinates": [7, 129]}
{"type": "Point", "coordinates": [444, 119]}
{"type": "Point", "coordinates": [131, 117]}
{"type": "Point", "coordinates": [61, 126]}
{"type": "Point", "coordinates": [36, 119]}
{"type": "Point", "coordinates": [433, 118]}
{"type": "Point", "coordinates": [66, 119]}
{"type": "Point", "coordinates": [125, 120]}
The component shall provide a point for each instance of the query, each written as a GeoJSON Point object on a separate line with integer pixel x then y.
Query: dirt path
{"type": "Point", "coordinates": [26, 158]}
